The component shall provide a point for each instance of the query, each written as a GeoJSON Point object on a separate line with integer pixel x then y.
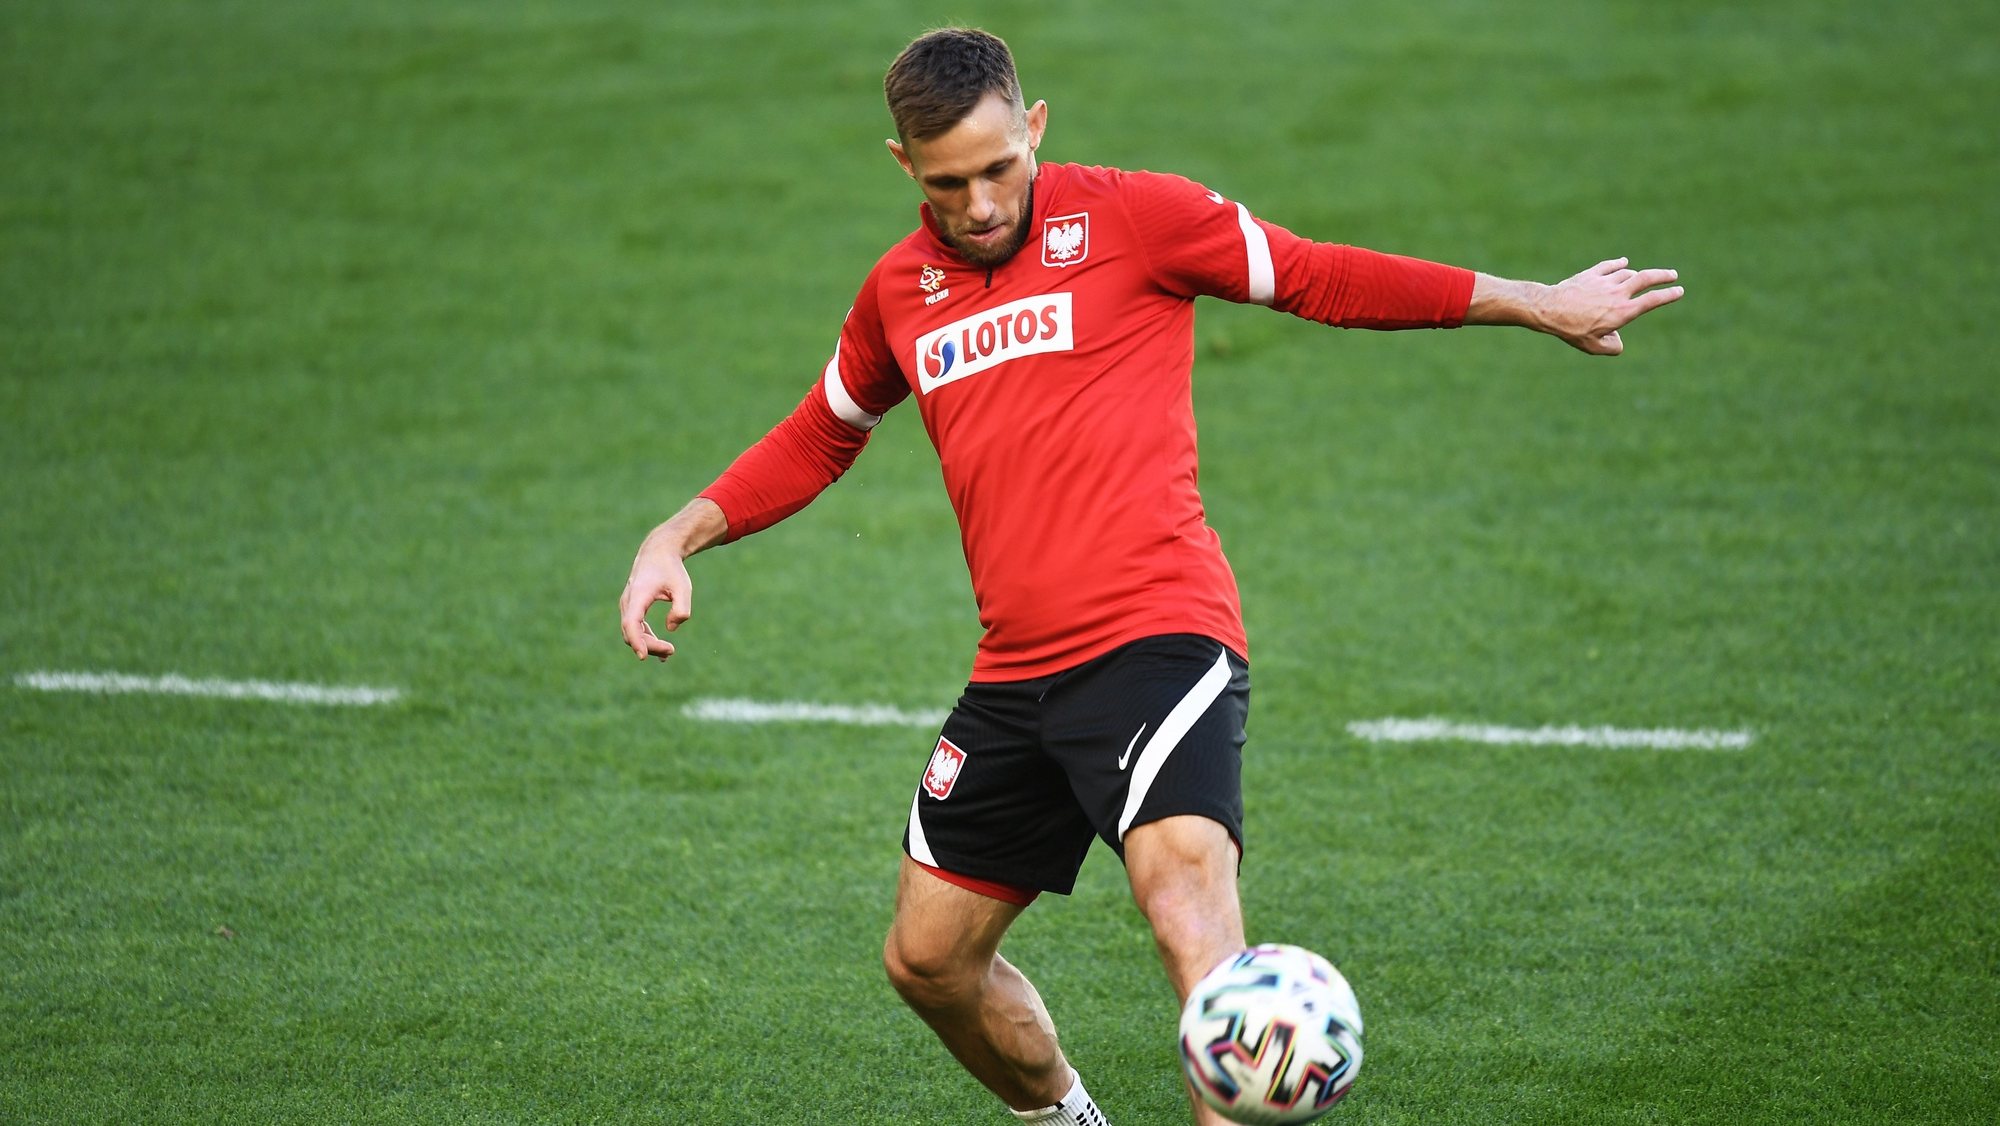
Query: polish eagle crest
{"type": "Point", "coordinates": [1066, 239]}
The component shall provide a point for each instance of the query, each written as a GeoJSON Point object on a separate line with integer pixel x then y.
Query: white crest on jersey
{"type": "Point", "coordinates": [1066, 239]}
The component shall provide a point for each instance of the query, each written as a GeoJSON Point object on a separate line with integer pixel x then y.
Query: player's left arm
{"type": "Point", "coordinates": [1585, 310]}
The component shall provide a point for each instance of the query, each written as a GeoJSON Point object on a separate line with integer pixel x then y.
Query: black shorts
{"type": "Point", "coordinates": [1026, 772]}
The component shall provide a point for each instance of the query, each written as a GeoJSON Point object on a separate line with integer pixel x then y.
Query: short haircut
{"type": "Point", "coordinates": [939, 78]}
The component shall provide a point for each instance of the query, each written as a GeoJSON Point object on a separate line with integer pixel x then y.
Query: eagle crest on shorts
{"type": "Point", "coordinates": [1066, 239]}
{"type": "Point", "coordinates": [942, 773]}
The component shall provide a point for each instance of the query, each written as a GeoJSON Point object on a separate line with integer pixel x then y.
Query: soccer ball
{"type": "Point", "coordinates": [1271, 1036]}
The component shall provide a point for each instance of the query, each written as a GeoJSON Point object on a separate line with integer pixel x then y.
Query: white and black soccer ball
{"type": "Point", "coordinates": [1271, 1036]}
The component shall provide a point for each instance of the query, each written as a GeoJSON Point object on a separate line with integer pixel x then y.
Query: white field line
{"type": "Point", "coordinates": [172, 685]}
{"type": "Point", "coordinates": [737, 710]}
{"type": "Point", "coordinates": [1439, 730]}
{"type": "Point", "coordinates": [740, 710]}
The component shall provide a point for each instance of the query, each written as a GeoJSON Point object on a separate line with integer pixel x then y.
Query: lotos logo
{"type": "Point", "coordinates": [987, 339]}
{"type": "Point", "coordinates": [938, 360]}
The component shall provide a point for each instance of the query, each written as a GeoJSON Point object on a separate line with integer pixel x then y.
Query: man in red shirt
{"type": "Point", "coordinates": [1042, 315]}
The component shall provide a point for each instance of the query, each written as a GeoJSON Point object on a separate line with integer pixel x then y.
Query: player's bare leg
{"type": "Point", "coordinates": [943, 957]}
{"type": "Point", "coordinates": [1183, 872]}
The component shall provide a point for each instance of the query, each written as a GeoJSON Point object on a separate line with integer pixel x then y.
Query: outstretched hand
{"type": "Point", "coordinates": [1587, 309]}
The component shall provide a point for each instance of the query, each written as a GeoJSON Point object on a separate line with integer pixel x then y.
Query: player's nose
{"type": "Point", "coordinates": [980, 207]}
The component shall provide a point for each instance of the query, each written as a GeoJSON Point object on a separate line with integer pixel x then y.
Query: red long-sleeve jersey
{"type": "Point", "coordinates": [1057, 391]}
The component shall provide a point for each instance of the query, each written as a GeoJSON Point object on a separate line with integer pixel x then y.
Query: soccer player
{"type": "Point", "coordinates": [1042, 317]}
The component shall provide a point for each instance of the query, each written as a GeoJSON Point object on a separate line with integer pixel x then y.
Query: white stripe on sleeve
{"type": "Point", "coordinates": [1257, 248]}
{"type": "Point", "coordinates": [843, 404]}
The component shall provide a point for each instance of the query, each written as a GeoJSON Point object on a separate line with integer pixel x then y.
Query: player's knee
{"type": "Point", "coordinates": [1178, 913]}
{"type": "Point", "coordinates": [1181, 866]}
{"type": "Point", "coordinates": [1184, 882]}
{"type": "Point", "coordinates": [928, 977]}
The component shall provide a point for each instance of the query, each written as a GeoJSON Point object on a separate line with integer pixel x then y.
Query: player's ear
{"type": "Point", "coordinates": [902, 158]}
{"type": "Point", "coordinates": [1038, 120]}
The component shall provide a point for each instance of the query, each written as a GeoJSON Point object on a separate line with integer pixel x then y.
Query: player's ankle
{"type": "Point", "coordinates": [1076, 1109]}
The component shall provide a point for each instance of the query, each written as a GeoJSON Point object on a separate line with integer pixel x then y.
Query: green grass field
{"type": "Point", "coordinates": [360, 343]}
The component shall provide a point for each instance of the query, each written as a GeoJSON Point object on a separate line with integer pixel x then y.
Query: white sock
{"type": "Point", "coordinates": [1076, 1109]}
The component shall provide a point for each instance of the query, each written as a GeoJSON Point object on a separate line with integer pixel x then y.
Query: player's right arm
{"type": "Point", "coordinates": [777, 476]}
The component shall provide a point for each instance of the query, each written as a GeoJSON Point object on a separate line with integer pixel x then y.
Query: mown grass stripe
{"type": "Point", "coordinates": [175, 685]}
{"type": "Point", "coordinates": [1432, 730]}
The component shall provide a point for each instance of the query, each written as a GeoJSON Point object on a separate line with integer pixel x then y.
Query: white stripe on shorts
{"type": "Point", "coordinates": [1204, 693]}
{"type": "Point", "coordinates": [920, 848]}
